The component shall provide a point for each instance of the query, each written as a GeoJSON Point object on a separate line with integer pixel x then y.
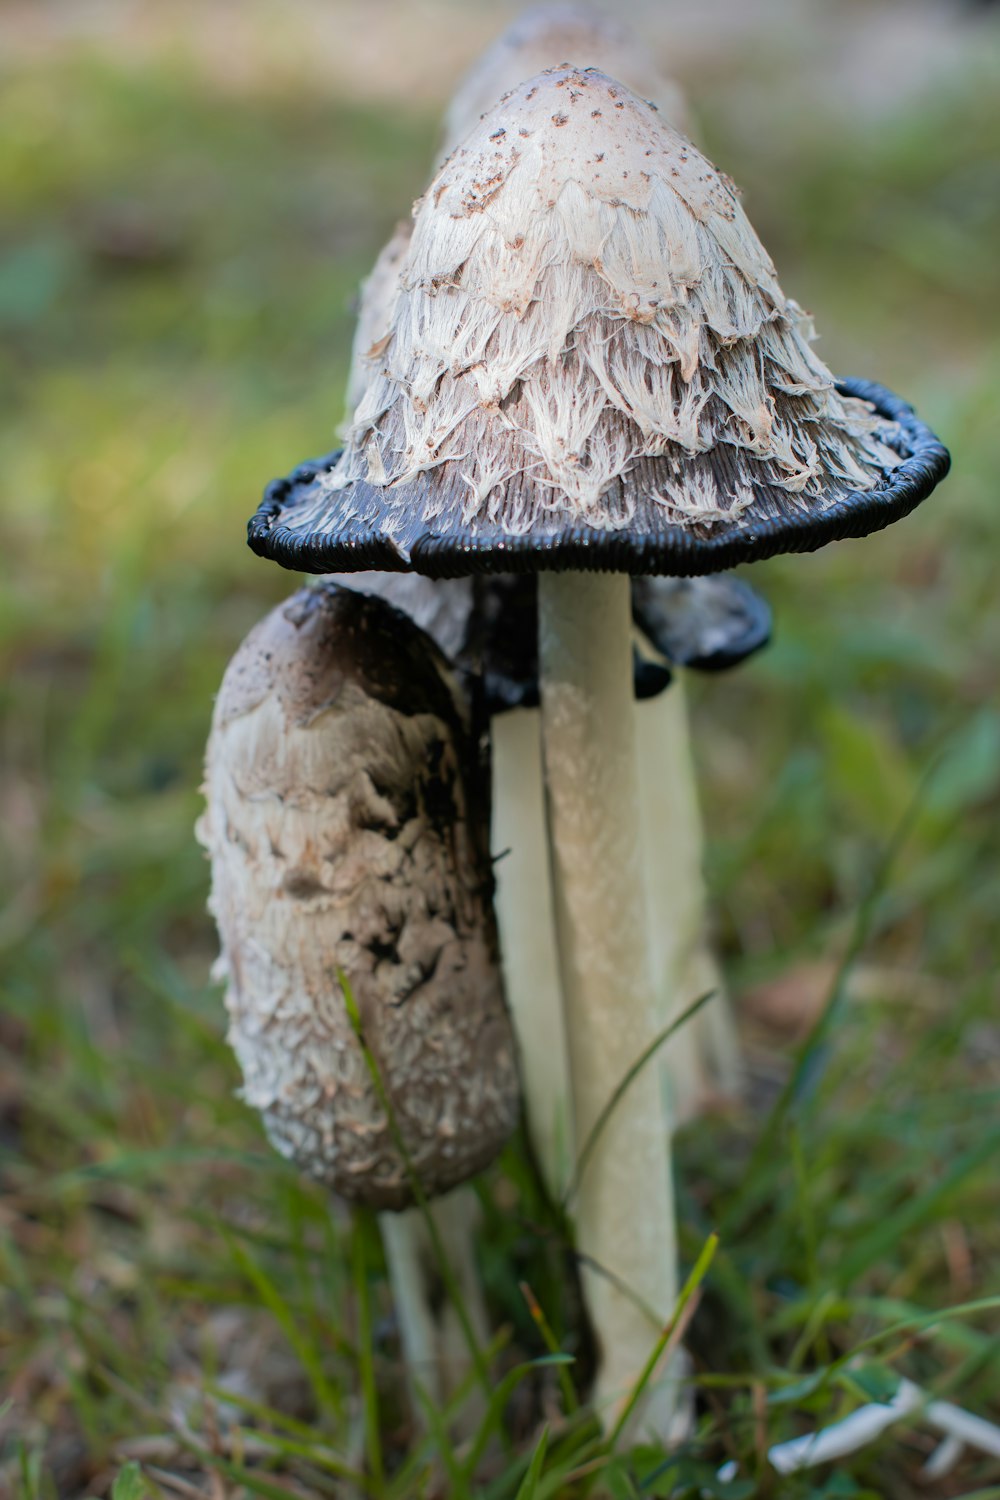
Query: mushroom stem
{"type": "Point", "coordinates": [435, 1342]}
{"type": "Point", "coordinates": [526, 920]}
{"type": "Point", "coordinates": [703, 1057]}
{"type": "Point", "coordinates": [624, 1203]}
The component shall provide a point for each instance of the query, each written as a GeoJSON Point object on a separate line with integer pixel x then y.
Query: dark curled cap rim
{"type": "Point", "coordinates": [674, 551]}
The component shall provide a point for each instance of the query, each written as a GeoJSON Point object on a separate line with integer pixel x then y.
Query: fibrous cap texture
{"type": "Point", "coordinates": [347, 832]}
{"type": "Point", "coordinates": [587, 333]}
{"type": "Point", "coordinates": [541, 38]}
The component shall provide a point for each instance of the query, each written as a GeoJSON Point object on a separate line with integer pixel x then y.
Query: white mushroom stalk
{"type": "Point", "coordinates": [346, 823]}
{"type": "Point", "coordinates": [526, 919]}
{"type": "Point", "coordinates": [701, 1059]}
{"type": "Point", "coordinates": [435, 1320]}
{"type": "Point", "coordinates": [624, 1199]}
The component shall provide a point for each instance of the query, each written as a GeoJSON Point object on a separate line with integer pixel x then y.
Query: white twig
{"type": "Point", "coordinates": [866, 1424]}
{"type": "Point", "coordinates": [976, 1432]}
{"type": "Point", "coordinates": [944, 1458]}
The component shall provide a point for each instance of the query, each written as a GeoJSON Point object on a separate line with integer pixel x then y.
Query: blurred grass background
{"type": "Point", "coordinates": [190, 198]}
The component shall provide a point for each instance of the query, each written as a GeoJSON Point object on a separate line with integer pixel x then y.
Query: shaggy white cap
{"type": "Point", "coordinates": [542, 38]}
{"type": "Point", "coordinates": [588, 332]}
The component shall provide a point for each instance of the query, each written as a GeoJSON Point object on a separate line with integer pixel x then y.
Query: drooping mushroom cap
{"type": "Point", "coordinates": [348, 832]}
{"type": "Point", "coordinates": [591, 364]}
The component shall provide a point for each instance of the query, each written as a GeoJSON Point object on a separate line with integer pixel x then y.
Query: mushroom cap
{"type": "Point", "coordinates": [546, 36]}
{"type": "Point", "coordinates": [590, 364]}
{"type": "Point", "coordinates": [489, 625]}
{"type": "Point", "coordinates": [709, 624]}
{"type": "Point", "coordinates": [540, 38]}
{"type": "Point", "coordinates": [378, 295]}
{"type": "Point", "coordinates": [347, 823]}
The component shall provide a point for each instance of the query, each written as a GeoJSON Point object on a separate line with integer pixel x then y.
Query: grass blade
{"type": "Point", "coordinates": [363, 1227]}
{"type": "Point", "coordinates": [809, 1065]}
{"type": "Point", "coordinates": [528, 1489]}
{"type": "Point", "coordinates": [621, 1089]}
{"type": "Point", "coordinates": [329, 1400]}
{"type": "Point", "coordinates": [541, 1322]}
{"type": "Point", "coordinates": [674, 1328]}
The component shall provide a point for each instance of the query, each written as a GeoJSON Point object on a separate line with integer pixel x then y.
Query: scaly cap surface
{"type": "Point", "coordinates": [590, 362]}
{"type": "Point", "coordinates": [348, 833]}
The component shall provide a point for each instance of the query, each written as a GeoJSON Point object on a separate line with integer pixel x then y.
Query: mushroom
{"type": "Point", "coordinates": [347, 823]}
{"type": "Point", "coordinates": [707, 624]}
{"type": "Point", "coordinates": [592, 371]}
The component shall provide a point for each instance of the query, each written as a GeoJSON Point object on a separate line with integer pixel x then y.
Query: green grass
{"type": "Point", "coordinates": [176, 268]}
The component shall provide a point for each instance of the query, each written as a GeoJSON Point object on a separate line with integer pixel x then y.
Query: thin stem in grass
{"type": "Point", "coordinates": [918, 1325]}
{"type": "Point", "coordinates": [405, 1478]}
{"type": "Point", "coordinates": [551, 1343]}
{"type": "Point", "coordinates": [822, 1312]}
{"type": "Point", "coordinates": [458, 1488]}
{"type": "Point", "coordinates": [363, 1227]}
{"type": "Point", "coordinates": [621, 1089]}
{"type": "Point", "coordinates": [670, 1336]}
{"type": "Point", "coordinates": [440, 1254]}
{"type": "Point", "coordinates": [493, 1420]}
{"type": "Point", "coordinates": [804, 1199]}
{"type": "Point", "coordinates": [571, 1453]}
{"type": "Point", "coordinates": [528, 1489]}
